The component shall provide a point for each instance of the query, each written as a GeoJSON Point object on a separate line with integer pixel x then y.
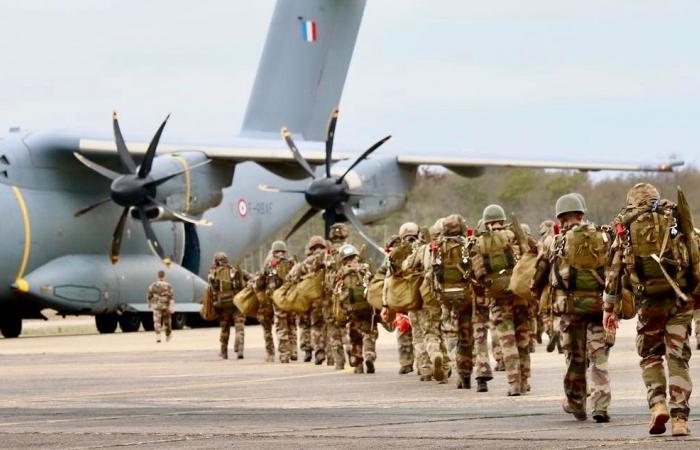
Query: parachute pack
{"type": "Point", "coordinates": [494, 260]}
{"type": "Point", "coordinates": [402, 287]}
{"type": "Point", "coordinates": [298, 297]}
{"type": "Point", "coordinates": [247, 301]}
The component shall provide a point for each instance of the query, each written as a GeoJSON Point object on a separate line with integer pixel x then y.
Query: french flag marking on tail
{"type": "Point", "coordinates": [308, 30]}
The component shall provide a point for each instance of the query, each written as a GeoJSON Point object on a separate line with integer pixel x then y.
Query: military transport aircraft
{"type": "Point", "coordinates": [89, 220]}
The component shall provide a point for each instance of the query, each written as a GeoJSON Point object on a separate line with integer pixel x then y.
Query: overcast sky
{"type": "Point", "coordinates": [605, 79]}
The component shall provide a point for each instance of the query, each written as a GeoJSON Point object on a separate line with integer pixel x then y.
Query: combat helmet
{"type": "Point", "coordinates": [453, 225]}
{"type": "Point", "coordinates": [435, 230]}
{"type": "Point", "coordinates": [546, 227]}
{"type": "Point", "coordinates": [338, 232]}
{"type": "Point", "coordinates": [642, 194]}
{"type": "Point", "coordinates": [569, 203]}
{"type": "Point", "coordinates": [348, 250]}
{"type": "Point", "coordinates": [316, 241]}
{"type": "Point", "coordinates": [526, 229]}
{"type": "Point", "coordinates": [493, 213]}
{"type": "Point", "coordinates": [220, 258]}
{"type": "Point", "coordinates": [583, 201]}
{"type": "Point", "coordinates": [408, 229]}
{"type": "Point", "coordinates": [278, 246]}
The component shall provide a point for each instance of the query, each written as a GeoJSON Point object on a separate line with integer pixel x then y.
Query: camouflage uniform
{"type": "Point", "coordinates": [404, 341]}
{"type": "Point", "coordinates": [510, 314]}
{"type": "Point", "coordinates": [272, 275]}
{"type": "Point", "coordinates": [574, 269]}
{"type": "Point", "coordinates": [480, 321]}
{"type": "Point", "coordinates": [448, 328]}
{"type": "Point", "coordinates": [223, 288]}
{"type": "Point", "coordinates": [161, 300]}
{"type": "Point", "coordinates": [316, 340]}
{"type": "Point", "coordinates": [663, 316]}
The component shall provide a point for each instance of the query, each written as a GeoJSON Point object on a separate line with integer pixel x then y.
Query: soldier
{"type": "Point", "coordinates": [480, 323]}
{"type": "Point", "coordinates": [337, 235]}
{"type": "Point", "coordinates": [535, 326]}
{"type": "Point", "coordinates": [161, 300]}
{"type": "Point", "coordinates": [314, 262]}
{"type": "Point", "coordinates": [404, 339]}
{"type": "Point", "coordinates": [650, 261]}
{"type": "Point", "coordinates": [493, 258]}
{"type": "Point", "coordinates": [273, 271]}
{"type": "Point", "coordinates": [225, 281]}
{"type": "Point", "coordinates": [574, 267]}
{"type": "Point", "coordinates": [551, 327]}
{"type": "Point", "coordinates": [450, 263]}
{"type": "Point", "coordinates": [350, 303]}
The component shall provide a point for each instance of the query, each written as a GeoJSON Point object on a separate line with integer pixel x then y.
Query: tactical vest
{"type": "Point", "coordinates": [654, 233]}
{"type": "Point", "coordinates": [451, 264]}
{"type": "Point", "coordinates": [580, 259]}
{"type": "Point", "coordinates": [226, 285]}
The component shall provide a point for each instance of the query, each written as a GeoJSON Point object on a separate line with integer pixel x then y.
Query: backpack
{"type": "Point", "coordinates": [653, 232]}
{"type": "Point", "coordinates": [350, 298]}
{"type": "Point", "coordinates": [494, 261]}
{"type": "Point", "coordinates": [397, 256]}
{"type": "Point", "coordinates": [451, 262]}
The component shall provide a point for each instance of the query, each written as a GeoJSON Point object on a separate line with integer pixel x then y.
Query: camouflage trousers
{"type": "Point", "coordinates": [228, 317]}
{"type": "Point", "coordinates": [480, 322]}
{"type": "Point", "coordinates": [266, 317]}
{"type": "Point", "coordinates": [286, 327]}
{"type": "Point", "coordinates": [335, 337]}
{"type": "Point", "coordinates": [419, 353]}
{"type": "Point", "coordinates": [495, 342]}
{"type": "Point", "coordinates": [513, 325]}
{"type": "Point", "coordinates": [584, 343]}
{"type": "Point", "coordinates": [363, 337]}
{"type": "Point", "coordinates": [534, 324]}
{"type": "Point", "coordinates": [696, 319]}
{"type": "Point", "coordinates": [462, 320]}
{"type": "Point", "coordinates": [433, 345]}
{"type": "Point", "coordinates": [663, 329]}
{"type": "Point", "coordinates": [317, 327]}
{"type": "Point", "coordinates": [404, 342]}
{"type": "Point", "coordinates": [161, 321]}
{"type": "Point", "coordinates": [450, 336]}
{"type": "Point", "coordinates": [304, 321]}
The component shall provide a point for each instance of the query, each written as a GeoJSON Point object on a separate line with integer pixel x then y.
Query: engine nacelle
{"type": "Point", "coordinates": [194, 191]}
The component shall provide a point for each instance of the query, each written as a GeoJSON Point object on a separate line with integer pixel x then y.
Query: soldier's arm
{"type": "Point", "coordinates": [613, 279]}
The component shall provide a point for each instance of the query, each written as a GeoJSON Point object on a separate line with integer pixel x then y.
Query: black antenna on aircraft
{"type": "Point", "coordinates": [136, 189]}
{"type": "Point", "coordinates": [331, 193]}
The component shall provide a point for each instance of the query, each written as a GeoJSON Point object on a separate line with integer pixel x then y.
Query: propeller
{"type": "Point", "coordinates": [135, 189]}
{"type": "Point", "coordinates": [331, 193]}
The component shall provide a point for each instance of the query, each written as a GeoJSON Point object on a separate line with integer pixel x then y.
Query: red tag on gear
{"type": "Point", "coordinates": [433, 246]}
{"type": "Point", "coordinates": [402, 323]}
{"type": "Point", "coordinates": [470, 232]}
{"type": "Point", "coordinates": [273, 263]}
{"type": "Point", "coordinates": [619, 229]}
{"type": "Point", "coordinates": [556, 229]}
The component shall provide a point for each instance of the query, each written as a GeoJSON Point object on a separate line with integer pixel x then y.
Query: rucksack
{"type": "Point", "coordinates": [653, 231]}
{"type": "Point", "coordinates": [581, 258]}
{"type": "Point", "coordinates": [398, 255]}
{"type": "Point", "coordinates": [451, 263]}
{"type": "Point", "coordinates": [495, 261]}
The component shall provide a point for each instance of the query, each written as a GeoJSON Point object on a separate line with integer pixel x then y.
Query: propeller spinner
{"type": "Point", "coordinates": [135, 189]}
{"type": "Point", "coordinates": [331, 193]}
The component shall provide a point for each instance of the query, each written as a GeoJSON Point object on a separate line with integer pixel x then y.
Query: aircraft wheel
{"type": "Point", "coordinates": [106, 323]}
{"type": "Point", "coordinates": [178, 321]}
{"type": "Point", "coordinates": [129, 322]}
{"type": "Point", "coordinates": [147, 321]}
{"type": "Point", "coordinates": [10, 324]}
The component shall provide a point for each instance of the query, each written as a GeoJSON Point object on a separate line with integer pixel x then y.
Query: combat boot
{"type": "Point", "coordinates": [308, 356]}
{"type": "Point", "coordinates": [438, 370]}
{"type": "Point", "coordinates": [464, 382]}
{"type": "Point", "coordinates": [284, 359]}
{"type": "Point", "coordinates": [370, 365]}
{"type": "Point", "coordinates": [500, 366]}
{"type": "Point", "coordinates": [579, 414]}
{"type": "Point", "coordinates": [514, 390]}
{"type": "Point", "coordinates": [481, 385]}
{"type": "Point", "coordinates": [679, 426]}
{"type": "Point", "coordinates": [320, 357]}
{"type": "Point", "coordinates": [240, 355]}
{"type": "Point", "coordinates": [223, 353]}
{"type": "Point", "coordinates": [405, 369]}
{"type": "Point", "coordinates": [601, 416]}
{"type": "Point", "coordinates": [359, 367]}
{"type": "Point", "coordinates": [659, 417]}
{"type": "Point", "coordinates": [553, 342]}
{"type": "Point", "coordinates": [524, 387]}
{"type": "Point", "coordinates": [426, 378]}
{"type": "Point", "coordinates": [294, 357]}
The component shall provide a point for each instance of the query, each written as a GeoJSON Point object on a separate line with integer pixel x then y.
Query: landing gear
{"type": "Point", "coordinates": [106, 323]}
{"type": "Point", "coordinates": [129, 322]}
{"type": "Point", "coordinates": [178, 321]}
{"type": "Point", "coordinates": [147, 321]}
{"type": "Point", "coordinates": [10, 324]}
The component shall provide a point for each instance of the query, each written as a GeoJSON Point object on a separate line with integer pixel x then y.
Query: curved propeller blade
{"type": "Point", "coordinates": [295, 151]}
{"type": "Point", "coordinates": [127, 161]}
{"type": "Point", "coordinates": [159, 181]}
{"type": "Point", "coordinates": [374, 194]}
{"type": "Point", "coordinates": [117, 237]}
{"type": "Point", "coordinates": [330, 217]}
{"type": "Point", "coordinates": [151, 236]}
{"type": "Point", "coordinates": [268, 188]}
{"type": "Point", "coordinates": [330, 135]}
{"type": "Point", "coordinates": [147, 163]}
{"type": "Point", "coordinates": [305, 218]}
{"type": "Point", "coordinates": [355, 221]}
{"type": "Point", "coordinates": [105, 172]}
{"type": "Point", "coordinates": [82, 211]}
{"type": "Point", "coordinates": [182, 216]}
{"type": "Point", "coordinates": [363, 156]}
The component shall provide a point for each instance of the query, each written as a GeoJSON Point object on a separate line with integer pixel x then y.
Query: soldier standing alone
{"type": "Point", "coordinates": [161, 300]}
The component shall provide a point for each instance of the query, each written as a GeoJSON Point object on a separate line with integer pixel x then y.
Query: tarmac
{"type": "Point", "coordinates": [88, 391]}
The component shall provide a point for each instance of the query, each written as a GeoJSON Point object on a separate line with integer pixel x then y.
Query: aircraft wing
{"type": "Point", "coordinates": [459, 162]}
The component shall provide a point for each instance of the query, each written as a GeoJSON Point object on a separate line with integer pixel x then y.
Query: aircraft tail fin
{"type": "Point", "coordinates": [303, 67]}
